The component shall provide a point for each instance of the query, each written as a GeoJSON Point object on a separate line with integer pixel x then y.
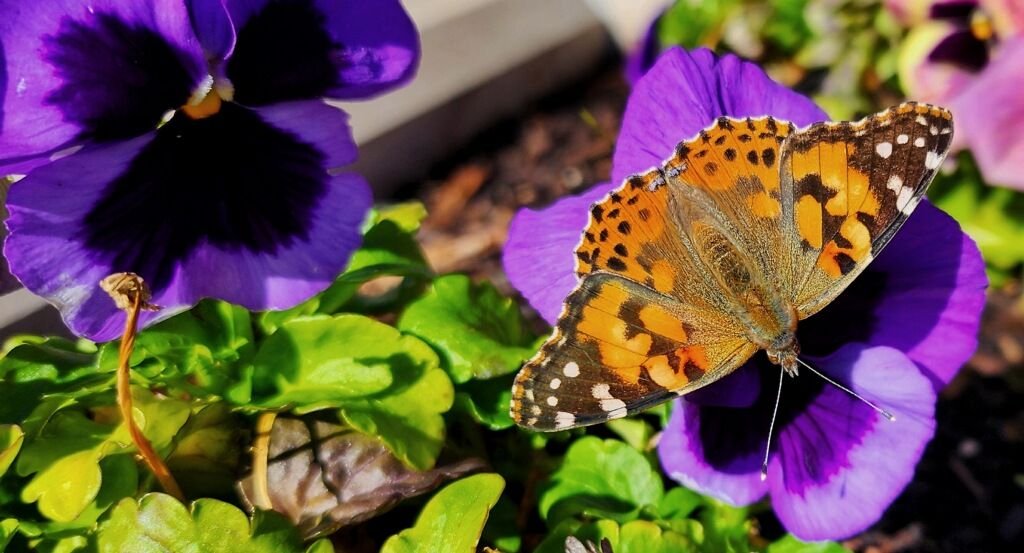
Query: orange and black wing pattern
{"type": "Point", "coordinates": [618, 348]}
{"type": "Point", "coordinates": [848, 188]}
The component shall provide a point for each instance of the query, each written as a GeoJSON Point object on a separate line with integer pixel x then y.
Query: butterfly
{"type": "Point", "coordinates": [689, 269]}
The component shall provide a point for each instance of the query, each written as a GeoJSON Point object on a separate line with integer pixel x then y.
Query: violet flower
{"type": "Point", "coordinates": [896, 336]}
{"type": "Point", "coordinates": [187, 141]}
{"type": "Point", "coordinates": [969, 56]}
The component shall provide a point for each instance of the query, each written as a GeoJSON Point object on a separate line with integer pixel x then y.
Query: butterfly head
{"type": "Point", "coordinates": [786, 357]}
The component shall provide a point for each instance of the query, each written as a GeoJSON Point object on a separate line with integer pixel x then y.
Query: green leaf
{"type": "Point", "coordinates": [790, 544]}
{"type": "Point", "coordinates": [161, 524]}
{"type": "Point", "coordinates": [320, 362]}
{"type": "Point", "coordinates": [8, 528]}
{"type": "Point", "coordinates": [993, 216]}
{"type": "Point", "coordinates": [600, 478]}
{"type": "Point", "coordinates": [678, 503]}
{"type": "Point", "coordinates": [407, 417]}
{"type": "Point", "coordinates": [726, 528]}
{"type": "Point", "coordinates": [66, 449]}
{"type": "Point", "coordinates": [452, 520]}
{"type": "Point", "coordinates": [385, 383]}
{"type": "Point", "coordinates": [641, 536]}
{"type": "Point", "coordinates": [11, 438]}
{"type": "Point", "coordinates": [207, 452]}
{"type": "Point", "coordinates": [65, 488]}
{"type": "Point", "coordinates": [692, 23]}
{"type": "Point", "coordinates": [198, 350]}
{"type": "Point", "coordinates": [407, 215]}
{"type": "Point", "coordinates": [480, 333]}
{"type": "Point", "coordinates": [487, 401]}
{"type": "Point", "coordinates": [638, 536]}
{"type": "Point", "coordinates": [36, 367]}
{"type": "Point", "coordinates": [634, 431]}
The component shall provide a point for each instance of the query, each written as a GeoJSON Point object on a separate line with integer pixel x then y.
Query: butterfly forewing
{"type": "Point", "coordinates": [853, 185]}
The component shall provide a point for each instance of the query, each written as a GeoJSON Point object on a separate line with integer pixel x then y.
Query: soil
{"type": "Point", "coordinates": [968, 492]}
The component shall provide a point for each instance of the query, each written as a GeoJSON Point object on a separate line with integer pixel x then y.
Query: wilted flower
{"type": "Point", "coordinates": [186, 141]}
{"type": "Point", "coordinates": [897, 335]}
{"type": "Point", "coordinates": [969, 56]}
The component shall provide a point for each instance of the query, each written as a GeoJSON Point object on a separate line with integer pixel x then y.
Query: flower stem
{"type": "Point", "coordinates": [156, 465]}
{"type": "Point", "coordinates": [261, 460]}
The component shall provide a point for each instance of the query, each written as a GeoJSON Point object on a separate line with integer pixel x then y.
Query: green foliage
{"type": "Point", "coordinates": [158, 523]}
{"type": "Point", "coordinates": [601, 478]}
{"type": "Point", "coordinates": [480, 333]}
{"type": "Point", "coordinates": [385, 383]}
{"type": "Point", "coordinates": [994, 217]}
{"type": "Point", "coordinates": [789, 544]}
{"type": "Point", "coordinates": [452, 520]}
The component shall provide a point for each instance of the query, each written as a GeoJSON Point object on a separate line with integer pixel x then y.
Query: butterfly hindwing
{"type": "Point", "coordinates": [618, 348]}
{"type": "Point", "coordinates": [852, 185]}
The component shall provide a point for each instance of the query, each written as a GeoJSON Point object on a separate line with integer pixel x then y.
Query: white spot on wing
{"type": "Point", "coordinates": [932, 160]}
{"type": "Point", "coordinates": [921, 120]}
{"type": "Point", "coordinates": [616, 413]}
{"type": "Point", "coordinates": [895, 184]}
{"type": "Point", "coordinates": [902, 139]}
{"type": "Point", "coordinates": [564, 420]}
{"type": "Point", "coordinates": [552, 401]}
{"type": "Point", "coordinates": [555, 383]}
{"type": "Point", "coordinates": [571, 369]}
{"type": "Point", "coordinates": [884, 149]}
{"type": "Point", "coordinates": [903, 200]}
{"type": "Point", "coordinates": [919, 142]}
{"type": "Point", "coordinates": [613, 406]}
{"type": "Point", "coordinates": [601, 391]}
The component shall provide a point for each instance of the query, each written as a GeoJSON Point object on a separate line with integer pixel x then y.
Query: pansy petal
{"type": "Point", "coordinates": [312, 48]}
{"type": "Point", "coordinates": [72, 70]}
{"type": "Point", "coordinates": [838, 464]}
{"type": "Point", "coordinates": [538, 255]}
{"type": "Point", "coordinates": [717, 450]}
{"type": "Point", "coordinates": [988, 114]}
{"type": "Point", "coordinates": [237, 206]}
{"type": "Point", "coordinates": [684, 92]}
{"type": "Point", "coordinates": [923, 295]}
{"type": "Point", "coordinates": [213, 27]}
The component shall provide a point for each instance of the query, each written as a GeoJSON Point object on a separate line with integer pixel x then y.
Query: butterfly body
{"type": "Point", "coordinates": [689, 269]}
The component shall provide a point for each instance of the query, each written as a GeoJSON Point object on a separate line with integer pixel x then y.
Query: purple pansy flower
{"type": "Point", "coordinates": [969, 56]}
{"type": "Point", "coordinates": [187, 141]}
{"type": "Point", "coordinates": [896, 336]}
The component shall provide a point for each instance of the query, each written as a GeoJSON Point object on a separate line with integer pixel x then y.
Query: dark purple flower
{"type": "Point", "coordinates": [896, 336]}
{"type": "Point", "coordinates": [187, 141]}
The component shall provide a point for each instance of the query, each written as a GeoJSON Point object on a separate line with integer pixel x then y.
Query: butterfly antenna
{"type": "Point", "coordinates": [771, 427]}
{"type": "Point", "coordinates": [881, 411]}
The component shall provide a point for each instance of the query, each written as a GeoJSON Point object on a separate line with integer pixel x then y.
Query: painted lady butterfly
{"type": "Point", "coordinates": [689, 269]}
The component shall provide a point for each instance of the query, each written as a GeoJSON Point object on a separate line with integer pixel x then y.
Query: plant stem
{"type": "Point", "coordinates": [261, 460]}
{"type": "Point", "coordinates": [124, 402]}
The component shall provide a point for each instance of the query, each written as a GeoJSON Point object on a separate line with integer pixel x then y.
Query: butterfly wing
{"type": "Point", "coordinates": [851, 186]}
{"type": "Point", "coordinates": [621, 347]}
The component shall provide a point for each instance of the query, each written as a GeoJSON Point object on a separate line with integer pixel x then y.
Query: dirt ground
{"type": "Point", "coordinates": [968, 493]}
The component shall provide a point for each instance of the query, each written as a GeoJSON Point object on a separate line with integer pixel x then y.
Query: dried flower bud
{"type": "Point", "coordinates": [124, 287]}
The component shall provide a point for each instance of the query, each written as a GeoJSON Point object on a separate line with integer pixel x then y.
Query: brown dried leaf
{"type": "Point", "coordinates": [326, 476]}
